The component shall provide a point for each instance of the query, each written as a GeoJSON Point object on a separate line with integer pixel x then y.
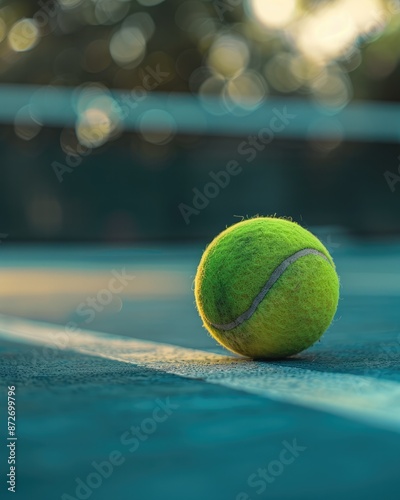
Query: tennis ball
{"type": "Point", "coordinates": [266, 288]}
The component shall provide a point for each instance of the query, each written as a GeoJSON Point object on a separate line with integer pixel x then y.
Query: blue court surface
{"type": "Point", "coordinates": [136, 401]}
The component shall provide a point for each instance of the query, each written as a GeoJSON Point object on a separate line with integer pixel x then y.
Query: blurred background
{"type": "Point", "coordinates": [131, 133]}
{"type": "Point", "coordinates": [126, 121]}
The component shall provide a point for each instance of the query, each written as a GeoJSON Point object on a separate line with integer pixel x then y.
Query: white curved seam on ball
{"type": "Point", "coordinates": [267, 287]}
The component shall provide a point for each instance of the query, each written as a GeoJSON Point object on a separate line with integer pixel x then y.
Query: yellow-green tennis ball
{"type": "Point", "coordinates": [266, 288]}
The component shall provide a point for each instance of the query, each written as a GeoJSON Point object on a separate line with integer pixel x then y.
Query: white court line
{"type": "Point", "coordinates": [366, 399]}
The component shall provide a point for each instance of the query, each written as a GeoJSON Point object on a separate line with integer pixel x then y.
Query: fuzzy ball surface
{"type": "Point", "coordinates": [266, 288]}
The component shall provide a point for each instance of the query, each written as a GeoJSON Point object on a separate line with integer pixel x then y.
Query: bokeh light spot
{"type": "Point", "coordinates": [23, 35]}
{"type": "Point", "coordinates": [189, 14]}
{"type": "Point", "coordinates": [211, 94]}
{"type": "Point", "coordinates": [110, 11]}
{"type": "Point", "coordinates": [332, 90]}
{"type": "Point", "coordinates": [69, 4]}
{"type": "Point", "coordinates": [245, 93]}
{"type": "Point", "coordinates": [229, 56]}
{"type": "Point", "coordinates": [325, 134]}
{"type": "Point", "coordinates": [274, 13]}
{"type": "Point", "coordinates": [3, 29]}
{"type": "Point", "coordinates": [25, 126]}
{"type": "Point", "coordinates": [279, 73]}
{"type": "Point", "coordinates": [157, 126]}
{"type": "Point", "coordinates": [150, 3]}
{"type": "Point", "coordinates": [93, 128]}
{"type": "Point", "coordinates": [141, 21]}
{"type": "Point", "coordinates": [128, 47]}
